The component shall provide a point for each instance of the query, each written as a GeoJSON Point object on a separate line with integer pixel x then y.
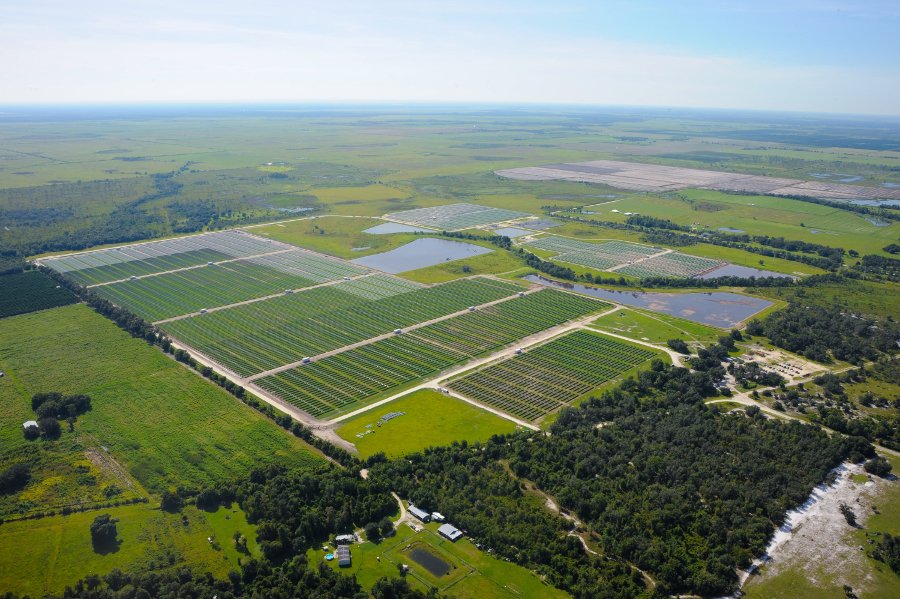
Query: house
{"type": "Point", "coordinates": [343, 556]}
{"type": "Point", "coordinates": [420, 514]}
{"type": "Point", "coordinates": [450, 532]}
{"type": "Point", "coordinates": [437, 517]}
{"type": "Point", "coordinates": [345, 539]}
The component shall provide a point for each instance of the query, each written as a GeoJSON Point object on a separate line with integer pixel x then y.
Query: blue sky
{"type": "Point", "coordinates": [817, 56]}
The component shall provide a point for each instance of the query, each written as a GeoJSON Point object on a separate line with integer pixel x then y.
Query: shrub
{"type": "Point", "coordinates": [15, 477]}
{"type": "Point", "coordinates": [879, 467]}
{"type": "Point", "coordinates": [679, 345]}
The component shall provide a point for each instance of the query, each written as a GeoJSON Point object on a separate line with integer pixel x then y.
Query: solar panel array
{"type": "Point", "coordinates": [114, 264]}
{"type": "Point", "coordinates": [600, 256]}
{"type": "Point", "coordinates": [451, 217]}
{"type": "Point", "coordinates": [671, 265]}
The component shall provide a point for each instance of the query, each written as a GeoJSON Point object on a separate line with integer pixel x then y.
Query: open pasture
{"type": "Point", "coordinates": [29, 292]}
{"type": "Point", "coordinates": [453, 217]}
{"type": "Point", "coordinates": [549, 377]}
{"type": "Point", "coordinates": [260, 336]}
{"type": "Point", "coordinates": [166, 425]}
{"type": "Point", "coordinates": [430, 419]}
{"type": "Point", "coordinates": [173, 294]}
{"type": "Point", "coordinates": [339, 382]}
{"type": "Point", "coordinates": [114, 264]}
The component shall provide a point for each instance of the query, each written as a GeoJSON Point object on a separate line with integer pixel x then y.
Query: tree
{"type": "Point", "coordinates": [103, 529]}
{"type": "Point", "coordinates": [49, 428]}
{"type": "Point", "coordinates": [373, 532]}
{"type": "Point", "coordinates": [31, 432]}
{"type": "Point", "coordinates": [171, 501]}
{"type": "Point", "coordinates": [116, 579]}
{"type": "Point", "coordinates": [15, 477]}
{"type": "Point", "coordinates": [848, 514]}
{"type": "Point", "coordinates": [879, 467]}
{"type": "Point", "coordinates": [679, 345]}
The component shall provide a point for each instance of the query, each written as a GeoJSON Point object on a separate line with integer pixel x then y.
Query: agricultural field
{"type": "Point", "coordinates": [164, 425]}
{"type": "Point", "coordinates": [551, 376]}
{"type": "Point", "coordinates": [56, 551]}
{"type": "Point", "coordinates": [260, 336]}
{"type": "Point", "coordinates": [31, 291]}
{"type": "Point", "coordinates": [430, 419]}
{"type": "Point", "coordinates": [338, 383]}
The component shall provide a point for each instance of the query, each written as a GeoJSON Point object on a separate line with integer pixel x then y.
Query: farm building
{"type": "Point", "coordinates": [29, 423]}
{"type": "Point", "coordinates": [343, 556]}
{"type": "Point", "coordinates": [345, 539]}
{"type": "Point", "coordinates": [437, 517]}
{"type": "Point", "coordinates": [450, 532]}
{"type": "Point", "coordinates": [420, 514]}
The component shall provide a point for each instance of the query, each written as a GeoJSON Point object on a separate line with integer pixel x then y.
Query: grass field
{"type": "Point", "coordinates": [430, 419]}
{"type": "Point", "coordinates": [165, 424]}
{"type": "Point", "coordinates": [29, 292]}
{"type": "Point", "coordinates": [43, 556]}
{"type": "Point", "coordinates": [337, 383]}
{"type": "Point", "coordinates": [476, 576]}
{"type": "Point", "coordinates": [643, 327]}
{"type": "Point", "coordinates": [335, 235]}
{"type": "Point", "coordinates": [551, 376]}
{"type": "Point", "coordinates": [224, 522]}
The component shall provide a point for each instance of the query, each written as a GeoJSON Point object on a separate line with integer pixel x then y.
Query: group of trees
{"type": "Point", "coordinates": [14, 478]}
{"type": "Point", "coordinates": [55, 405]}
{"type": "Point", "coordinates": [103, 530]}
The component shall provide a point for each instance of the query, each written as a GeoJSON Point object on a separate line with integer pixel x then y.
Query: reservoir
{"type": "Point", "coordinates": [385, 228]}
{"type": "Point", "coordinates": [733, 270]}
{"type": "Point", "coordinates": [420, 253]}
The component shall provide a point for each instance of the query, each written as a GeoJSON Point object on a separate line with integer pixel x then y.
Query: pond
{"type": "Point", "coordinates": [837, 177]}
{"type": "Point", "coordinates": [419, 254]}
{"type": "Point", "coordinates": [730, 230]}
{"type": "Point", "coordinates": [435, 565]}
{"type": "Point", "coordinates": [512, 232]}
{"type": "Point", "coordinates": [733, 270]}
{"type": "Point", "coordinates": [716, 308]}
{"type": "Point", "coordinates": [385, 228]}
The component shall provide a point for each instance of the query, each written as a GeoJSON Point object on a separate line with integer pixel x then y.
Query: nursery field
{"type": "Point", "coordinates": [338, 383]}
{"type": "Point", "coordinates": [166, 425]}
{"type": "Point", "coordinates": [257, 337]}
{"type": "Point", "coordinates": [176, 293]}
{"type": "Point", "coordinates": [29, 292]}
{"type": "Point", "coordinates": [430, 419]}
{"type": "Point", "coordinates": [551, 376]}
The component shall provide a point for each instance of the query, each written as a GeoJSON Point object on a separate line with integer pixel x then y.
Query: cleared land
{"type": "Point", "coordinates": [657, 178]}
{"type": "Point", "coordinates": [257, 337]}
{"type": "Point", "coordinates": [29, 292]}
{"type": "Point", "coordinates": [46, 555]}
{"type": "Point", "coordinates": [429, 419]}
{"type": "Point", "coordinates": [166, 425]}
{"type": "Point", "coordinates": [551, 376]}
{"type": "Point", "coordinates": [338, 382]}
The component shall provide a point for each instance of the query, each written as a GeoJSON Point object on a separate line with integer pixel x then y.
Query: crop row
{"type": "Point", "coordinates": [29, 292]}
{"type": "Point", "coordinates": [670, 265]}
{"type": "Point", "coordinates": [551, 376]}
{"type": "Point", "coordinates": [263, 335]}
{"type": "Point", "coordinates": [331, 383]}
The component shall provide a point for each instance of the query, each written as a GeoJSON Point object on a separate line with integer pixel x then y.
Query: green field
{"type": "Point", "coordinates": [430, 419]}
{"type": "Point", "coordinates": [29, 292]}
{"type": "Point", "coordinates": [337, 383]}
{"type": "Point", "coordinates": [165, 424]}
{"type": "Point", "coordinates": [476, 575]}
{"type": "Point", "coordinates": [335, 235]}
{"type": "Point", "coordinates": [224, 522]}
{"type": "Point", "coordinates": [46, 555]}
{"type": "Point", "coordinates": [547, 378]}
{"type": "Point", "coordinates": [642, 326]}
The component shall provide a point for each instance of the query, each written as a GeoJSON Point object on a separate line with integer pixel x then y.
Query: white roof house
{"type": "Point", "coordinates": [437, 517]}
{"type": "Point", "coordinates": [29, 423]}
{"type": "Point", "coordinates": [450, 532]}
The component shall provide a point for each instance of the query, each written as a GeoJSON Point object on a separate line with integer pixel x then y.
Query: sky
{"type": "Point", "coordinates": [795, 55]}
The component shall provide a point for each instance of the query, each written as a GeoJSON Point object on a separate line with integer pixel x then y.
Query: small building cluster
{"type": "Point", "coordinates": [446, 530]}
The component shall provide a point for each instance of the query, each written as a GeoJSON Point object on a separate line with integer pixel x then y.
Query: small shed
{"type": "Point", "coordinates": [437, 517]}
{"type": "Point", "coordinates": [29, 423]}
{"type": "Point", "coordinates": [450, 532]}
{"type": "Point", "coordinates": [344, 539]}
{"type": "Point", "coordinates": [343, 556]}
{"type": "Point", "coordinates": [420, 514]}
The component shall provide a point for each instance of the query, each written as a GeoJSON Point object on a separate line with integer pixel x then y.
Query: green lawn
{"type": "Point", "coordinates": [497, 262]}
{"type": "Point", "coordinates": [167, 425]}
{"type": "Point", "coordinates": [43, 556]}
{"type": "Point", "coordinates": [341, 235]}
{"type": "Point", "coordinates": [643, 327]}
{"type": "Point", "coordinates": [224, 522]}
{"type": "Point", "coordinates": [430, 419]}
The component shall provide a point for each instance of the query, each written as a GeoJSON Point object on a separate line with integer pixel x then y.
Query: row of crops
{"type": "Point", "coordinates": [260, 336]}
{"type": "Point", "coordinates": [551, 376]}
{"type": "Point", "coordinates": [29, 292]}
{"type": "Point", "coordinates": [671, 265]}
{"type": "Point", "coordinates": [103, 266]}
{"type": "Point", "coordinates": [455, 216]}
{"type": "Point", "coordinates": [181, 292]}
{"type": "Point", "coordinates": [600, 256]}
{"type": "Point", "coordinates": [332, 383]}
